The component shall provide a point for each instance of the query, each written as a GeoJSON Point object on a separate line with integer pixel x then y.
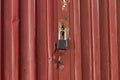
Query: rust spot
{"type": "Point", "coordinates": [65, 22]}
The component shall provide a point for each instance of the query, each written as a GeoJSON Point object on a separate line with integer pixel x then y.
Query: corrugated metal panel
{"type": "Point", "coordinates": [27, 40]}
{"type": "Point", "coordinates": [10, 25]}
{"type": "Point", "coordinates": [104, 40]}
{"type": "Point", "coordinates": [28, 35]}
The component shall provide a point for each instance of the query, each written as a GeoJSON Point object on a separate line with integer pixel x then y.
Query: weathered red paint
{"type": "Point", "coordinates": [41, 40]}
{"type": "Point", "coordinates": [118, 32]}
{"type": "Point", "coordinates": [86, 45]}
{"type": "Point", "coordinates": [27, 40]}
{"type": "Point", "coordinates": [72, 58]}
{"type": "Point", "coordinates": [95, 39]}
{"type": "Point", "coordinates": [77, 39]}
{"type": "Point", "coordinates": [10, 45]}
{"type": "Point", "coordinates": [29, 33]}
{"type": "Point", "coordinates": [50, 45]}
{"type": "Point", "coordinates": [104, 40]}
{"type": "Point", "coordinates": [113, 40]}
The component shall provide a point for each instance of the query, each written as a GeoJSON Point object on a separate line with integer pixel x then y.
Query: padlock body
{"type": "Point", "coordinates": [62, 44]}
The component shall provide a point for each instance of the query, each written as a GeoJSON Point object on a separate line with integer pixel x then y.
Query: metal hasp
{"type": "Point", "coordinates": [63, 24]}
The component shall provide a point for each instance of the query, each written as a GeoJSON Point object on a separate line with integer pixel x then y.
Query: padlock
{"type": "Point", "coordinates": [62, 44]}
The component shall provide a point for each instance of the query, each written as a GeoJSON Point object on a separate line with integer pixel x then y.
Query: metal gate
{"type": "Point", "coordinates": [29, 33]}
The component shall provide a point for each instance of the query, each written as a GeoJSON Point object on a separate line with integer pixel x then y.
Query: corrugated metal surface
{"type": "Point", "coordinates": [28, 34]}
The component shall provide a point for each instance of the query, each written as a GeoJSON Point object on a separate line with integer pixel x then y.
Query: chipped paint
{"type": "Point", "coordinates": [65, 3]}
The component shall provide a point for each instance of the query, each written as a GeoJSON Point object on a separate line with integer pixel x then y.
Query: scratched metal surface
{"type": "Point", "coordinates": [29, 32]}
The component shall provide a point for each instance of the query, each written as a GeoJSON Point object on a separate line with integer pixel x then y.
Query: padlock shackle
{"type": "Point", "coordinates": [59, 33]}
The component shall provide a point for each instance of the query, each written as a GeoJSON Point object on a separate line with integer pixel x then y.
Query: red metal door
{"type": "Point", "coordinates": [29, 33]}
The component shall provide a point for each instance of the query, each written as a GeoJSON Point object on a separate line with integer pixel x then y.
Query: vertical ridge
{"type": "Point", "coordinates": [113, 40]}
{"type": "Point", "coordinates": [27, 40]}
{"type": "Point", "coordinates": [95, 39]}
{"type": "Point", "coordinates": [10, 23]}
